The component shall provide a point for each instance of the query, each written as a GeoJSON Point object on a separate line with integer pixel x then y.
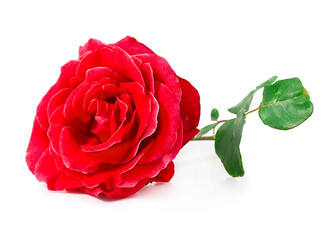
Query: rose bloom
{"type": "Point", "coordinates": [113, 122]}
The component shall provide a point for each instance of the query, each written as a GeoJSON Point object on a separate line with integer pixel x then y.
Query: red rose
{"type": "Point", "coordinates": [113, 122]}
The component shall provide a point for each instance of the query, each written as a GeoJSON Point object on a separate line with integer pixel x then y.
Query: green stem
{"type": "Point", "coordinates": [254, 110]}
{"type": "Point", "coordinates": [213, 136]}
{"type": "Point", "coordinates": [222, 121]}
{"type": "Point", "coordinates": [204, 138]}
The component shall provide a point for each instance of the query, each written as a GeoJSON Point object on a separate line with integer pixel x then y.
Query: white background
{"type": "Point", "coordinates": [225, 48]}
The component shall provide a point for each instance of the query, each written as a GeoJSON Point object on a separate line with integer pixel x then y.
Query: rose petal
{"type": "Point", "coordinates": [57, 122]}
{"type": "Point", "coordinates": [73, 108]}
{"type": "Point", "coordinates": [152, 124]}
{"type": "Point", "coordinates": [115, 153]}
{"type": "Point", "coordinates": [111, 177]}
{"type": "Point", "coordinates": [189, 110]}
{"type": "Point", "coordinates": [147, 72]}
{"type": "Point", "coordinates": [165, 175]}
{"type": "Point", "coordinates": [41, 111]}
{"type": "Point", "coordinates": [101, 125]}
{"type": "Point", "coordinates": [95, 92]}
{"type": "Point", "coordinates": [62, 168]}
{"type": "Point", "coordinates": [137, 61]}
{"type": "Point", "coordinates": [163, 72]}
{"type": "Point", "coordinates": [114, 125]}
{"type": "Point", "coordinates": [123, 109]}
{"type": "Point", "coordinates": [67, 71]}
{"type": "Point", "coordinates": [91, 45]}
{"type": "Point", "coordinates": [75, 81]}
{"type": "Point", "coordinates": [58, 99]}
{"type": "Point", "coordinates": [168, 121]}
{"type": "Point", "coordinates": [187, 136]}
{"type": "Point", "coordinates": [116, 193]}
{"type": "Point", "coordinates": [119, 192]}
{"type": "Point", "coordinates": [150, 129]}
{"type": "Point", "coordinates": [111, 174]}
{"type": "Point", "coordinates": [127, 100]}
{"type": "Point", "coordinates": [112, 59]}
{"type": "Point", "coordinates": [142, 105]}
{"type": "Point", "coordinates": [38, 143]}
{"type": "Point", "coordinates": [152, 168]}
{"type": "Point", "coordinates": [72, 155]}
{"type": "Point", "coordinates": [123, 133]}
{"type": "Point", "coordinates": [46, 171]}
{"type": "Point", "coordinates": [97, 73]}
{"type": "Point", "coordinates": [132, 46]}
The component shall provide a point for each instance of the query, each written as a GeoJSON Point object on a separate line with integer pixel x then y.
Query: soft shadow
{"type": "Point", "coordinates": [155, 190]}
{"type": "Point", "coordinates": [150, 191]}
{"type": "Point", "coordinates": [101, 197]}
{"type": "Point", "coordinates": [234, 186]}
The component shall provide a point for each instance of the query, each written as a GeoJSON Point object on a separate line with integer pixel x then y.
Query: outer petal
{"type": "Point", "coordinates": [67, 71]}
{"type": "Point", "coordinates": [46, 171]}
{"type": "Point", "coordinates": [41, 111]}
{"type": "Point", "coordinates": [162, 72]}
{"type": "Point", "coordinates": [132, 46]}
{"type": "Point", "coordinates": [165, 175]}
{"type": "Point", "coordinates": [111, 175]}
{"type": "Point", "coordinates": [152, 169]}
{"type": "Point", "coordinates": [57, 122]}
{"type": "Point", "coordinates": [168, 122]}
{"type": "Point", "coordinates": [57, 100]}
{"type": "Point", "coordinates": [187, 136]}
{"type": "Point", "coordinates": [119, 193]}
{"type": "Point", "coordinates": [116, 193]}
{"type": "Point", "coordinates": [91, 45]}
{"type": "Point", "coordinates": [38, 143]}
{"type": "Point", "coordinates": [189, 110]}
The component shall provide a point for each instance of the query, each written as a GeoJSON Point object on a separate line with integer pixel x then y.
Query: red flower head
{"type": "Point", "coordinates": [113, 122]}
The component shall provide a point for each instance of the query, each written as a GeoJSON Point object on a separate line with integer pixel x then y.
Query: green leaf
{"type": "Point", "coordinates": [205, 130]}
{"type": "Point", "coordinates": [285, 105]}
{"type": "Point", "coordinates": [266, 83]}
{"type": "Point", "coordinates": [227, 145]}
{"type": "Point", "coordinates": [214, 114]}
{"type": "Point", "coordinates": [244, 105]}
